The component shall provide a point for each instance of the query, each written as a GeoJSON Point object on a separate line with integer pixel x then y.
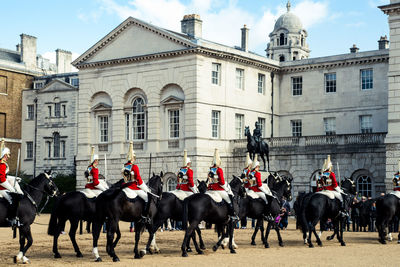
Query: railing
{"type": "Point", "coordinates": [319, 140]}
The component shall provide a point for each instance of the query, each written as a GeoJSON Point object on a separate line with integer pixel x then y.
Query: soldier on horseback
{"type": "Point", "coordinates": [218, 184]}
{"type": "Point", "coordinates": [9, 185]}
{"type": "Point", "coordinates": [246, 171]}
{"type": "Point", "coordinates": [396, 180]}
{"type": "Point", "coordinates": [257, 136]}
{"type": "Point", "coordinates": [185, 177]}
{"type": "Point", "coordinates": [134, 182]}
{"type": "Point", "coordinates": [331, 184]}
{"type": "Point", "coordinates": [92, 174]}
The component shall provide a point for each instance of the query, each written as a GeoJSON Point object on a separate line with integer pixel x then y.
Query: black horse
{"type": "Point", "coordinates": [72, 207]}
{"type": "Point", "coordinates": [253, 148]}
{"type": "Point", "coordinates": [40, 186]}
{"type": "Point", "coordinates": [201, 207]}
{"type": "Point", "coordinates": [387, 207]}
{"type": "Point", "coordinates": [113, 206]}
{"type": "Point", "coordinates": [321, 208]}
{"type": "Point", "coordinates": [171, 207]}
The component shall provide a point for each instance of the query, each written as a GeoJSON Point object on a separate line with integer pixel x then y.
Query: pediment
{"type": "Point", "coordinates": [101, 106]}
{"type": "Point", "coordinates": [133, 38]}
{"type": "Point", "coordinates": [172, 100]}
{"type": "Point", "coordinates": [57, 85]}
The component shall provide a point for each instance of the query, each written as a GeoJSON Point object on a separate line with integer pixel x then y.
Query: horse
{"type": "Point", "coordinates": [27, 209]}
{"type": "Point", "coordinates": [254, 148]}
{"type": "Point", "coordinates": [113, 205]}
{"type": "Point", "coordinates": [171, 207]}
{"type": "Point", "coordinates": [321, 207]}
{"type": "Point", "coordinates": [72, 207]}
{"type": "Point", "coordinates": [387, 207]}
{"type": "Point", "coordinates": [201, 207]}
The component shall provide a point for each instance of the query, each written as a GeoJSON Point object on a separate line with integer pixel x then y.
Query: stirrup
{"type": "Point", "coordinates": [269, 218]}
{"type": "Point", "coordinates": [14, 222]}
{"type": "Point", "coordinates": [145, 220]}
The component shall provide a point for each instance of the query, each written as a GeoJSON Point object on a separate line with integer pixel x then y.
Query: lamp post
{"type": "Point", "coordinates": [35, 137]}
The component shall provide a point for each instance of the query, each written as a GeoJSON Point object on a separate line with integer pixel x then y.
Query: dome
{"type": "Point", "coordinates": [289, 21]}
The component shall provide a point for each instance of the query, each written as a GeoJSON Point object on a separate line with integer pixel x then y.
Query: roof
{"type": "Point", "coordinates": [10, 55]}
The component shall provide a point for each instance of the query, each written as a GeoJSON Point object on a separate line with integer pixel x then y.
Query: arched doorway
{"type": "Point", "coordinates": [170, 182]}
{"type": "Point", "coordinates": [364, 183]}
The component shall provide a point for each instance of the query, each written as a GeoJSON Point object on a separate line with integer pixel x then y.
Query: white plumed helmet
{"type": "Point", "coordinates": [131, 154]}
{"type": "Point", "coordinates": [256, 164]}
{"type": "Point", "coordinates": [186, 159]}
{"type": "Point", "coordinates": [5, 151]}
{"type": "Point", "coordinates": [217, 159]}
{"type": "Point", "coordinates": [328, 163]}
{"type": "Point", "coordinates": [93, 156]}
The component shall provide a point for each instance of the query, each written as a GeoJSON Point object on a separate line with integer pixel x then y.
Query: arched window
{"type": "Point", "coordinates": [139, 119]}
{"type": "Point", "coordinates": [364, 186]}
{"type": "Point", "coordinates": [282, 39]}
{"type": "Point", "coordinates": [171, 184]}
{"type": "Point", "coordinates": [302, 41]}
{"type": "Point", "coordinates": [56, 143]}
{"type": "Point", "coordinates": [281, 58]}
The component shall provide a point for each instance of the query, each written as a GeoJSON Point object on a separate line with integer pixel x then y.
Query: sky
{"type": "Point", "coordinates": [333, 26]}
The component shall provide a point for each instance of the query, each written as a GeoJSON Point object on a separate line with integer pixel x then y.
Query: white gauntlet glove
{"type": "Point", "coordinates": [8, 186]}
{"type": "Point", "coordinates": [144, 187]}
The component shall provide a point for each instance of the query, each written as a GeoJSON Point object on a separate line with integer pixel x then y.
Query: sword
{"type": "Point", "coordinates": [16, 172]}
{"type": "Point", "coordinates": [105, 167]}
{"type": "Point", "coordinates": [338, 170]}
{"type": "Point", "coordinates": [154, 195]}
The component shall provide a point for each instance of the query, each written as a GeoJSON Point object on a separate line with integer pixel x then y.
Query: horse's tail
{"type": "Point", "coordinates": [185, 214]}
{"type": "Point", "coordinates": [51, 230]}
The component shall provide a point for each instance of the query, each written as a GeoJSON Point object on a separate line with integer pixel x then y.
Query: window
{"type": "Point", "coordinates": [171, 184]}
{"type": "Point", "coordinates": [367, 79]}
{"type": "Point", "coordinates": [62, 143]}
{"type": "Point", "coordinates": [173, 118]}
{"type": "Point", "coordinates": [57, 111]}
{"type": "Point", "coordinates": [29, 150]}
{"type": "Point", "coordinates": [330, 82]}
{"type": "Point", "coordinates": [3, 85]}
{"type": "Point", "coordinates": [64, 111]}
{"type": "Point", "coordinates": [138, 116]}
{"type": "Point", "coordinates": [38, 85]}
{"type": "Point", "coordinates": [48, 146]}
{"type": "Point", "coordinates": [261, 122]}
{"type": "Point", "coordinates": [31, 112]}
{"type": "Point", "coordinates": [261, 83]}
{"type": "Point", "coordinates": [330, 126]}
{"type": "Point", "coordinates": [49, 108]}
{"type": "Point", "coordinates": [364, 186]}
{"type": "Point", "coordinates": [297, 85]}
{"type": "Point", "coordinates": [282, 39]}
{"type": "Point", "coordinates": [296, 127]}
{"type": "Point", "coordinates": [74, 82]}
{"type": "Point", "coordinates": [281, 58]}
{"type": "Point", "coordinates": [2, 124]}
{"type": "Point", "coordinates": [103, 126]}
{"type": "Point", "coordinates": [240, 79]}
{"type": "Point", "coordinates": [56, 144]}
{"type": "Point", "coordinates": [215, 118]}
{"type": "Point", "coordinates": [239, 121]}
{"type": "Point", "coordinates": [366, 124]}
{"type": "Point", "coordinates": [216, 73]}
{"type": "Point", "coordinates": [127, 135]}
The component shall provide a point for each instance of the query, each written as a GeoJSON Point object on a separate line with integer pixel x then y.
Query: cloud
{"type": "Point", "coordinates": [222, 19]}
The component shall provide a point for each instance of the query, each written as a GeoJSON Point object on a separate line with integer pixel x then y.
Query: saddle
{"type": "Point", "coordinates": [396, 193]}
{"type": "Point", "coordinates": [327, 193]}
{"type": "Point", "coordinates": [91, 193]}
{"type": "Point", "coordinates": [214, 196]}
{"type": "Point", "coordinates": [180, 194]}
{"type": "Point", "coordinates": [130, 194]}
{"type": "Point", "coordinates": [252, 194]}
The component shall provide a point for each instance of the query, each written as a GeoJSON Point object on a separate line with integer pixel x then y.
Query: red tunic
{"type": "Point", "coordinates": [185, 186]}
{"type": "Point", "coordinates": [3, 176]}
{"type": "Point", "coordinates": [255, 188]}
{"type": "Point", "coordinates": [246, 171]}
{"type": "Point", "coordinates": [94, 172]}
{"type": "Point", "coordinates": [137, 180]}
{"type": "Point", "coordinates": [334, 183]}
{"type": "Point", "coordinates": [221, 181]}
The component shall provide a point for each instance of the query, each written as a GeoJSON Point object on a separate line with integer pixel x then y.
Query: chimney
{"type": "Point", "coordinates": [28, 50]}
{"type": "Point", "coordinates": [18, 48]}
{"type": "Point", "coordinates": [354, 49]}
{"type": "Point", "coordinates": [383, 43]}
{"type": "Point", "coordinates": [191, 25]}
{"type": "Point", "coordinates": [245, 38]}
{"type": "Point", "coordinates": [63, 61]}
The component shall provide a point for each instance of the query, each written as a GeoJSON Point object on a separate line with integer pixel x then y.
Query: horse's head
{"type": "Point", "coordinates": [156, 184]}
{"type": "Point", "coordinates": [202, 186]}
{"type": "Point", "coordinates": [247, 131]}
{"type": "Point", "coordinates": [283, 187]}
{"type": "Point", "coordinates": [237, 186]}
{"type": "Point", "coordinates": [348, 186]}
{"type": "Point", "coordinates": [49, 186]}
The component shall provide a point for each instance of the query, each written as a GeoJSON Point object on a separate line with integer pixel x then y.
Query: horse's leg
{"type": "Point", "coordinates": [187, 237]}
{"type": "Point", "coordinates": [253, 237]}
{"type": "Point", "coordinates": [152, 238]}
{"type": "Point", "coordinates": [110, 238]}
{"type": "Point", "coordinates": [80, 227]}
{"type": "Point", "coordinates": [262, 157]}
{"type": "Point", "coordinates": [221, 238]}
{"type": "Point", "coordinates": [231, 228]}
{"type": "Point", "coordinates": [263, 240]}
{"type": "Point", "coordinates": [196, 246]}
{"type": "Point", "coordinates": [278, 233]}
{"type": "Point", "coordinates": [201, 242]}
{"type": "Point", "coordinates": [340, 231]}
{"type": "Point", "coordinates": [267, 153]}
{"type": "Point", "coordinates": [266, 244]}
{"type": "Point", "coordinates": [316, 235]}
{"type": "Point", "coordinates": [72, 233]}
{"type": "Point", "coordinates": [59, 227]}
{"type": "Point", "coordinates": [138, 230]}
{"type": "Point", "coordinates": [118, 233]}
{"type": "Point", "coordinates": [25, 232]}
{"type": "Point", "coordinates": [96, 228]}
{"type": "Point", "coordinates": [18, 257]}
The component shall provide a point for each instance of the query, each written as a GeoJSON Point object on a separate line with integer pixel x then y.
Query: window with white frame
{"type": "Point", "coordinates": [74, 82]}
{"type": "Point", "coordinates": [38, 85]}
{"type": "Point", "coordinates": [261, 122]}
{"type": "Point", "coordinates": [103, 128]}
{"type": "Point", "coordinates": [173, 118]}
{"type": "Point", "coordinates": [330, 82]}
{"type": "Point", "coordinates": [127, 127]}
{"type": "Point", "coordinates": [364, 186]}
{"type": "Point", "coordinates": [57, 109]}
{"type": "Point", "coordinates": [297, 85]}
{"type": "Point", "coordinates": [139, 119]}
{"type": "Point", "coordinates": [216, 74]}
{"type": "Point", "coordinates": [261, 83]}
{"type": "Point", "coordinates": [330, 126]}
{"type": "Point", "coordinates": [171, 184]}
{"type": "Point", "coordinates": [56, 145]}
{"type": "Point", "coordinates": [296, 127]}
{"type": "Point", "coordinates": [29, 150]}
{"type": "Point", "coordinates": [215, 123]}
{"type": "Point", "coordinates": [31, 112]}
{"type": "Point", "coordinates": [367, 79]}
{"type": "Point", "coordinates": [240, 79]}
{"type": "Point", "coordinates": [366, 124]}
{"type": "Point", "coordinates": [239, 121]}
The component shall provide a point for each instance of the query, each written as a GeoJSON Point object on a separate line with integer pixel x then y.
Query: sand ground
{"type": "Point", "coordinates": [362, 249]}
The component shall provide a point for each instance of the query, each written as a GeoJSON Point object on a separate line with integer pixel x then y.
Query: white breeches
{"type": "Point", "coordinates": [224, 195]}
{"type": "Point", "coordinates": [263, 196]}
{"type": "Point", "coordinates": [338, 195]}
{"type": "Point", "coordinates": [142, 194]}
{"type": "Point", "coordinates": [4, 193]}
{"type": "Point", "coordinates": [102, 185]}
{"type": "Point", "coordinates": [15, 184]}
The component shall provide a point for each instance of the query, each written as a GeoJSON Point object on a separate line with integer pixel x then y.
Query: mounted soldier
{"type": "Point", "coordinates": [219, 185]}
{"type": "Point", "coordinates": [257, 136]}
{"type": "Point", "coordinates": [9, 184]}
{"type": "Point", "coordinates": [246, 171]}
{"type": "Point", "coordinates": [331, 184]}
{"type": "Point", "coordinates": [135, 183]}
{"type": "Point", "coordinates": [185, 177]}
{"type": "Point", "coordinates": [92, 175]}
{"type": "Point", "coordinates": [396, 181]}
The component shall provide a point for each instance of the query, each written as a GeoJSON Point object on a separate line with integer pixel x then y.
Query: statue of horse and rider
{"type": "Point", "coordinates": [255, 144]}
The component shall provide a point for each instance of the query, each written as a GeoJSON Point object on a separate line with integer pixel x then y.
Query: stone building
{"type": "Point", "coordinates": [17, 71]}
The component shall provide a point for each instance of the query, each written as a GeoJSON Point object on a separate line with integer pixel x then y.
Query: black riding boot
{"type": "Point", "coordinates": [145, 213]}
{"type": "Point", "coordinates": [267, 213]}
{"type": "Point", "coordinates": [231, 211]}
{"type": "Point", "coordinates": [12, 213]}
{"type": "Point", "coordinates": [343, 207]}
